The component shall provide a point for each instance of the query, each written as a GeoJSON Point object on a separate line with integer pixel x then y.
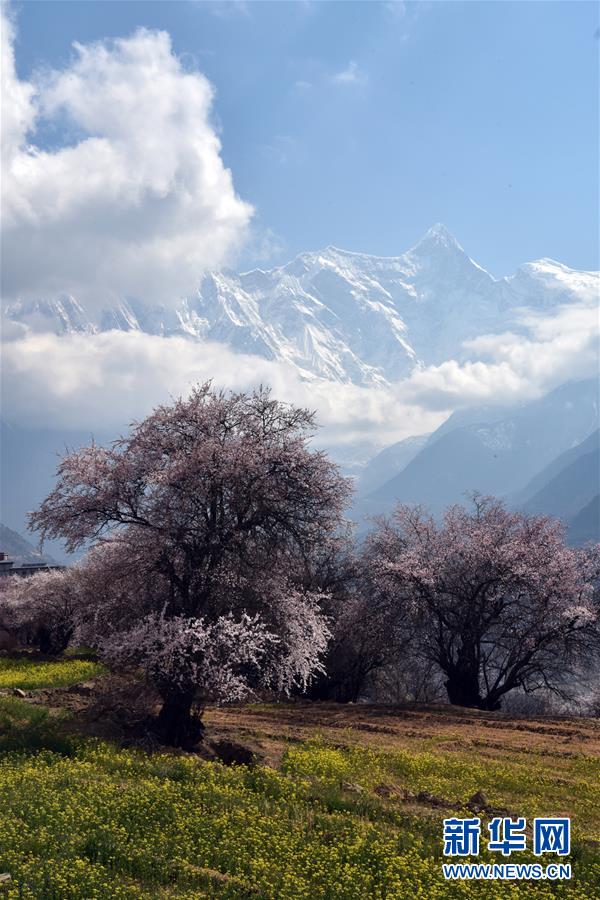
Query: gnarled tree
{"type": "Point", "coordinates": [494, 598]}
{"type": "Point", "coordinates": [211, 514]}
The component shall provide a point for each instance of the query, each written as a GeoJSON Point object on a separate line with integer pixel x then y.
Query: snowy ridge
{"type": "Point", "coordinates": [341, 315]}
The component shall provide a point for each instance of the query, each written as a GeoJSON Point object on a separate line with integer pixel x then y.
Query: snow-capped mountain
{"type": "Point", "coordinates": [343, 316]}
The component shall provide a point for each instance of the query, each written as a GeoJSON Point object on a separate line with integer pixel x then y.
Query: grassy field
{"type": "Point", "coordinates": [347, 803]}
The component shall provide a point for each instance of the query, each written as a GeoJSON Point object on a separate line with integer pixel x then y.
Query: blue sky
{"type": "Point", "coordinates": [361, 124]}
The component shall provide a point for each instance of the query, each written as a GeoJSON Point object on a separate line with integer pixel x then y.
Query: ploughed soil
{"type": "Point", "coordinates": [120, 709]}
{"type": "Point", "coordinates": [446, 728]}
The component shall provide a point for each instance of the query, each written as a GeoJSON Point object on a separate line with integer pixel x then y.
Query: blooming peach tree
{"type": "Point", "coordinates": [494, 598]}
{"type": "Point", "coordinates": [41, 607]}
{"type": "Point", "coordinates": [206, 521]}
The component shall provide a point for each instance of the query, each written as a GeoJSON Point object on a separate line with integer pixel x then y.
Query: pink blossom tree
{"type": "Point", "coordinates": [43, 607]}
{"type": "Point", "coordinates": [494, 598]}
{"type": "Point", "coordinates": [207, 521]}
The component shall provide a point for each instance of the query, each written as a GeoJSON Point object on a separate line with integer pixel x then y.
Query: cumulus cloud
{"type": "Point", "coordinates": [18, 109]}
{"type": "Point", "coordinates": [509, 367]}
{"type": "Point", "coordinates": [138, 202]}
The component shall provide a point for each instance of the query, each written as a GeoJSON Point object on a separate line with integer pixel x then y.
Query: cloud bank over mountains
{"type": "Point", "coordinates": [104, 379]}
{"type": "Point", "coordinates": [504, 368]}
{"type": "Point", "coordinates": [136, 201]}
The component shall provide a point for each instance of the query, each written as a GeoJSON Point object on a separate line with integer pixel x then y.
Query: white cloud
{"type": "Point", "coordinates": [509, 367]}
{"type": "Point", "coordinates": [140, 203]}
{"type": "Point", "coordinates": [18, 109]}
{"type": "Point", "coordinates": [351, 75]}
{"type": "Point", "coordinates": [263, 246]}
{"type": "Point", "coordinates": [103, 381]}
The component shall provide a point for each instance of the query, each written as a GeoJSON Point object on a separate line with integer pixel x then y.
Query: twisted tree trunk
{"type": "Point", "coordinates": [176, 724]}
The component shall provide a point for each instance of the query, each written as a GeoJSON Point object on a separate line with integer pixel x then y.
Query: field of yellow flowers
{"type": "Point", "coordinates": [341, 812]}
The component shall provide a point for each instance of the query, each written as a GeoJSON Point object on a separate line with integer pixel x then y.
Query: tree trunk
{"type": "Point", "coordinates": [463, 688]}
{"type": "Point", "coordinates": [177, 726]}
{"type": "Point", "coordinates": [44, 640]}
{"type": "Point", "coordinates": [492, 700]}
{"type": "Point", "coordinates": [343, 682]}
{"type": "Point", "coordinates": [53, 641]}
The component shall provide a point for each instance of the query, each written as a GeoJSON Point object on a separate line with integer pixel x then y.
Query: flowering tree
{"type": "Point", "coordinates": [43, 606]}
{"type": "Point", "coordinates": [494, 598]}
{"type": "Point", "coordinates": [207, 520]}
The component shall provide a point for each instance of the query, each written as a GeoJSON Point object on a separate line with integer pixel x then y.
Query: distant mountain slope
{"type": "Point", "coordinates": [20, 550]}
{"type": "Point", "coordinates": [569, 491]}
{"type": "Point", "coordinates": [549, 472]}
{"type": "Point", "coordinates": [343, 316]}
{"type": "Point", "coordinates": [390, 462]}
{"type": "Point", "coordinates": [497, 458]}
{"type": "Point", "coordinates": [572, 488]}
{"type": "Point", "coordinates": [441, 474]}
{"type": "Point", "coordinates": [585, 526]}
{"type": "Point", "coordinates": [476, 415]}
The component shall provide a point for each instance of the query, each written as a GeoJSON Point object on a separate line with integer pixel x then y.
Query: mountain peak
{"type": "Point", "coordinates": [438, 236]}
